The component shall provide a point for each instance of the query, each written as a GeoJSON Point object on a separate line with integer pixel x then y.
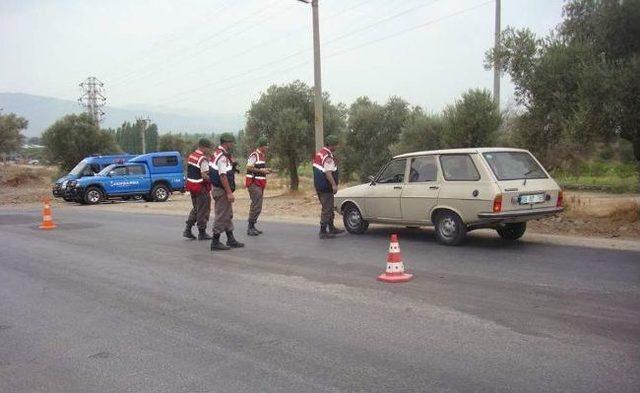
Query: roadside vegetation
{"type": "Point", "coordinates": [577, 110]}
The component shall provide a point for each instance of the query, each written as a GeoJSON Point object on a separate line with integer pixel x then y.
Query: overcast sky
{"type": "Point", "coordinates": [217, 56]}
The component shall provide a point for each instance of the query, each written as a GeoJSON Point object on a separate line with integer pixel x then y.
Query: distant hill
{"type": "Point", "coordinates": [43, 111]}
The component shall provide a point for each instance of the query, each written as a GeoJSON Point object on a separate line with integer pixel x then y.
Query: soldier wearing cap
{"type": "Point", "coordinates": [199, 186]}
{"type": "Point", "coordinates": [325, 180]}
{"type": "Point", "coordinates": [256, 182]}
{"type": "Point", "coordinates": [222, 176]}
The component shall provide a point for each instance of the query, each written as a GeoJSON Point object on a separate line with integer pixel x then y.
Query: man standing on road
{"type": "Point", "coordinates": [199, 186]}
{"type": "Point", "coordinates": [223, 179]}
{"type": "Point", "coordinates": [325, 179]}
{"type": "Point", "coordinates": [256, 181]}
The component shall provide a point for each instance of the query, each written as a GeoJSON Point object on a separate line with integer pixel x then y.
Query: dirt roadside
{"type": "Point", "coordinates": [587, 215]}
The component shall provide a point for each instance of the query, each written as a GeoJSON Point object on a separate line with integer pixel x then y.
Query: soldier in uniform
{"type": "Point", "coordinates": [325, 179]}
{"type": "Point", "coordinates": [222, 176]}
{"type": "Point", "coordinates": [199, 186]}
{"type": "Point", "coordinates": [256, 181]}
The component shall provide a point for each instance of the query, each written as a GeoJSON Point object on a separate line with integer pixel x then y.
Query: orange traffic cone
{"type": "Point", "coordinates": [395, 267]}
{"type": "Point", "coordinates": [47, 221]}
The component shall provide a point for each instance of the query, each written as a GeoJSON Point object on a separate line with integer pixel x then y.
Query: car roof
{"type": "Point", "coordinates": [474, 150]}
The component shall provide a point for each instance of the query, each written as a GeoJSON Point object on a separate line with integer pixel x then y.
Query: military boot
{"type": "Point", "coordinates": [187, 233]}
{"type": "Point", "coordinates": [216, 245]}
{"type": "Point", "coordinates": [335, 231]}
{"type": "Point", "coordinates": [232, 242]}
{"type": "Point", "coordinates": [324, 234]}
{"type": "Point", "coordinates": [203, 235]}
{"type": "Point", "coordinates": [252, 231]}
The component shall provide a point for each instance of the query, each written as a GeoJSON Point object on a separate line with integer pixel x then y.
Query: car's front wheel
{"type": "Point", "coordinates": [93, 195]}
{"type": "Point", "coordinates": [450, 230]}
{"type": "Point", "coordinates": [353, 221]}
{"type": "Point", "coordinates": [160, 193]}
{"type": "Point", "coordinates": [512, 231]}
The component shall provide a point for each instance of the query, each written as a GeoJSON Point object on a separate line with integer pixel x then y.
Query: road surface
{"type": "Point", "coordinates": [113, 302]}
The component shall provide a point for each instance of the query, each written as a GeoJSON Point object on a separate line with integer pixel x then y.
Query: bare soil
{"type": "Point", "coordinates": [587, 214]}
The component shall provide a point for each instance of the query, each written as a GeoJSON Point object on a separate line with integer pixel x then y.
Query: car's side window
{"type": "Point", "coordinates": [423, 169]}
{"type": "Point", "coordinates": [458, 167]}
{"type": "Point", "coordinates": [119, 171]}
{"type": "Point", "coordinates": [393, 173]}
{"type": "Point", "coordinates": [165, 161]}
{"type": "Point", "coordinates": [136, 170]}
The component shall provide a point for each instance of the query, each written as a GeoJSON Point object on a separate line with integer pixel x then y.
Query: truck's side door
{"type": "Point", "coordinates": [420, 194]}
{"type": "Point", "coordinates": [117, 183]}
{"type": "Point", "coordinates": [383, 196]}
{"type": "Point", "coordinates": [139, 180]}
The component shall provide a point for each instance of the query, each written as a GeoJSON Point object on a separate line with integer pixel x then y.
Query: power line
{"type": "Point", "coordinates": [169, 37]}
{"type": "Point", "coordinates": [261, 44]}
{"type": "Point", "coordinates": [173, 57]}
{"type": "Point", "coordinates": [337, 53]}
{"type": "Point", "coordinates": [303, 51]}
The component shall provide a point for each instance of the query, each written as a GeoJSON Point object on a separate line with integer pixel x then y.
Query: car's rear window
{"type": "Point", "coordinates": [458, 167]}
{"type": "Point", "coordinates": [514, 165]}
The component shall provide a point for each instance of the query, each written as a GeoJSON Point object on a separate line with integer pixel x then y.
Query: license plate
{"type": "Point", "coordinates": [529, 199]}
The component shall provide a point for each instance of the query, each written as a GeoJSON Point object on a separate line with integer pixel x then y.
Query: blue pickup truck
{"type": "Point", "coordinates": [87, 167]}
{"type": "Point", "coordinates": [152, 176]}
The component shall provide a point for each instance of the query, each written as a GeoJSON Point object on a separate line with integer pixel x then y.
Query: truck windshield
{"type": "Point", "coordinates": [78, 169]}
{"type": "Point", "coordinates": [106, 170]}
{"type": "Point", "coordinates": [514, 165]}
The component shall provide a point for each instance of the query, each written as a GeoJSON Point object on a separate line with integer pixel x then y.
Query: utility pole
{"type": "Point", "coordinates": [496, 59]}
{"type": "Point", "coordinates": [317, 76]}
{"type": "Point", "coordinates": [143, 121]}
{"type": "Point", "coordinates": [92, 99]}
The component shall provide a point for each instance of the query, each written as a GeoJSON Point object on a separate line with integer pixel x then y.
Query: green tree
{"type": "Point", "coordinates": [372, 131]}
{"type": "Point", "coordinates": [580, 84]}
{"type": "Point", "coordinates": [173, 142]}
{"type": "Point", "coordinates": [11, 138]}
{"type": "Point", "coordinates": [472, 121]}
{"type": "Point", "coordinates": [128, 137]}
{"type": "Point", "coordinates": [73, 137]}
{"type": "Point", "coordinates": [420, 132]}
{"type": "Point", "coordinates": [285, 115]}
{"type": "Point", "coordinates": [34, 140]}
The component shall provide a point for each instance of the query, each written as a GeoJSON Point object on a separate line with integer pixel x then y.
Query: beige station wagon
{"type": "Point", "coordinates": [455, 191]}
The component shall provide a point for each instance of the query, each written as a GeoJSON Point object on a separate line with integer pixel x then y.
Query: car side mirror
{"type": "Point", "coordinates": [110, 174]}
{"type": "Point", "coordinates": [372, 180]}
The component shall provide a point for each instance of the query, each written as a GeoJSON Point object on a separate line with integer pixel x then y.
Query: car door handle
{"type": "Point", "coordinates": [397, 187]}
{"type": "Point", "coordinates": [434, 187]}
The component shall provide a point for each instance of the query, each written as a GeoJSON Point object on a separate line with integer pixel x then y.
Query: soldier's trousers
{"type": "Point", "coordinates": [201, 210]}
{"type": "Point", "coordinates": [256, 193]}
{"type": "Point", "coordinates": [327, 214]}
{"type": "Point", "coordinates": [223, 210]}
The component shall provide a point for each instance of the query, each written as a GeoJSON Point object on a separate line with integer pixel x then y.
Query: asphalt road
{"type": "Point", "coordinates": [112, 302]}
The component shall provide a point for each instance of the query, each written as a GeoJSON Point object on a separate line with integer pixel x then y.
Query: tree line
{"type": "Point", "coordinates": [577, 90]}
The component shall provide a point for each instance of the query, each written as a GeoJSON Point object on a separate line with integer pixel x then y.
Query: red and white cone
{"type": "Point", "coordinates": [395, 266]}
{"type": "Point", "coordinates": [47, 220]}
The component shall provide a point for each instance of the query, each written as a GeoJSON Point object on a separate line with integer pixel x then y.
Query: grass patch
{"type": "Point", "coordinates": [600, 176]}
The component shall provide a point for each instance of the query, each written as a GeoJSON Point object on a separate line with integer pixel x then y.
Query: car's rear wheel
{"type": "Point", "coordinates": [450, 230]}
{"type": "Point", "coordinates": [353, 221]}
{"type": "Point", "coordinates": [93, 195]}
{"type": "Point", "coordinates": [160, 193]}
{"type": "Point", "coordinates": [512, 231]}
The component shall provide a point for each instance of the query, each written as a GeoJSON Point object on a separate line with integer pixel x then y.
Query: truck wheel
{"type": "Point", "coordinates": [93, 195]}
{"type": "Point", "coordinates": [353, 221]}
{"type": "Point", "coordinates": [512, 231]}
{"type": "Point", "coordinates": [450, 230]}
{"type": "Point", "coordinates": [160, 193]}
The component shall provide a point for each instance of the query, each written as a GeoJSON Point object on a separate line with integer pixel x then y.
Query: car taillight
{"type": "Point", "coordinates": [497, 204]}
{"type": "Point", "coordinates": [560, 197]}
